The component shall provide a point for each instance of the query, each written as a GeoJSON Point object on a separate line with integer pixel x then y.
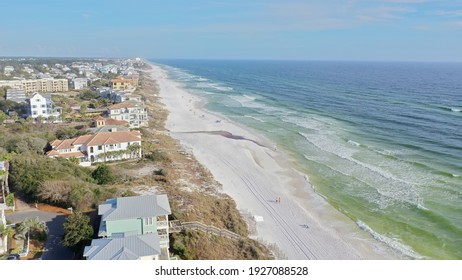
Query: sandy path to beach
{"type": "Point", "coordinates": [255, 175]}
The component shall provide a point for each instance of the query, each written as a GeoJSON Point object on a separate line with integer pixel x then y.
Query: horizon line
{"type": "Point", "coordinates": [232, 59]}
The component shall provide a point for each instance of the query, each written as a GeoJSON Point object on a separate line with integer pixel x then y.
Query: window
{"type": "Point", "coordinates": [34, 112]}
{"type": "Point", "coordinates": [91, 149]}
{"type": "Point", "coordinates": [34, 106]}
{"type": "Point", "coordinates": [43, 106]}
{"type": "Point", "coordinates": [100, 148]}
{"type": "Point", "coordinates": [148, 221]}
{"type": "Point", "coordinates": [44, 111]}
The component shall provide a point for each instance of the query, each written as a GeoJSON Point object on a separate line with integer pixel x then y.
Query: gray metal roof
{"type": "Point", "coordinates": [108, 128]}
{"type": "Point", "coordinates": [121, 247]}
{"type": "Point", "coordinates": [134, 207]}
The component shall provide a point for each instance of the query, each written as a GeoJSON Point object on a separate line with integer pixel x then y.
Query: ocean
{"type": "Point", "coordinates": [381, 142]}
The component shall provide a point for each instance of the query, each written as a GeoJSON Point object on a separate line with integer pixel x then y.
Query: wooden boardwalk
{"type": "Point", "coordinates": [177, 226]}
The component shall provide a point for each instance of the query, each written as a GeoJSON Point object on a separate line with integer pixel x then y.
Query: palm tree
{"type": "Point", "coordinates": [5, 231]}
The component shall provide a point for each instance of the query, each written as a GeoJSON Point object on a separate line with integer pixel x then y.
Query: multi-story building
{"type": "Point", "coordinates": [80, 83]}
{"type": "Point", "coordinates": [16, 95]}
{"type": "Point", "coordinates": [39, 85]}
{"type": "Point", "coordinates": [125, 222]}
{"type": "Point", "coordinates": [8, 69]}
{"type": "Point", "coordinates": [99, 147]}
{"type": "Point", "coordinates": [122, 83]}
{"type": "Point", "coordinates": [132, 111]}
{"type": "Point", "coordinates": [42, 105]}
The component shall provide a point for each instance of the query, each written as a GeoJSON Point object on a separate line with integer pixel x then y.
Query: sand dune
{"type": "Point", "coordinates": [255, 175]}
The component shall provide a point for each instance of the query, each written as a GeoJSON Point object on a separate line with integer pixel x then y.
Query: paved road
{"type": "Point", "coordinates": [54, 222]}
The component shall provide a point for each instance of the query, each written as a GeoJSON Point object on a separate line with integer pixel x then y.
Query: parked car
{"type": "Point", "coordinates": [13, 257]}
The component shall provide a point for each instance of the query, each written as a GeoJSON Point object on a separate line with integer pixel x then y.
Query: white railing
{"type": "Point", "coordinates": [162, 224]}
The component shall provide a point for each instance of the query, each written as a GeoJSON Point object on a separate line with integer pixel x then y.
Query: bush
{"type": "Point", "coordinates": [155, 156]}
{"type": "Point", "coordinates": [102, 174]}
{"type": "Point", "coordinates": [9, 199]}
{"type": "Point", "coordinates": [29, 173]}
{"type": "Point", "coordinates": [68, 133]}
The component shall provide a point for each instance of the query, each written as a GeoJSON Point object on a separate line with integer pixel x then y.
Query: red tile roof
{"type": "Point", "coordinates": [117, 137]}
{"type": "Point", "coordinates": [101, 138]}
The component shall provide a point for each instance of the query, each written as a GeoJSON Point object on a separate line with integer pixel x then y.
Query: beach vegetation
{"type": "Point", "coordinates": [102, 174]}
{"type": "Point", "coordinates": [198, 245]}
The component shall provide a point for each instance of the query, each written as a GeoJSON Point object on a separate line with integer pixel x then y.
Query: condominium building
{"type": "Point", "coordinates": [39, 85]}
{"type": "Point", "coordinates": [133, 112]}
{"type": "Point", "coordinates": [16, 95]}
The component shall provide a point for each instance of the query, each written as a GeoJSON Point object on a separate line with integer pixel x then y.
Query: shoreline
{"type": "Point", "coordinates": [303, 224]}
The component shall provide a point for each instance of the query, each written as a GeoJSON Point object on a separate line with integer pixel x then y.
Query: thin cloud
{"type": "Point", "coordinates": [457, 13]}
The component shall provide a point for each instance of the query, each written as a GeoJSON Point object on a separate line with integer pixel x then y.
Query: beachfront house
{"type": "Point", "coordinates": [132, 111]}
{"type": "Point", "coordinates": [98, 147]}
{"type": "Point", "coordinates": [124, 83]}
{"type": "Point", "coordinates": [100, 124]}
{"type": "Point", "coordinates": [124, 247]}
{"type": "Point", "coordinates": [41, 105]}
{"type": "Point", "coordinates": [80, 83]}
{"type": "Point", "coordinates": [127, 220]}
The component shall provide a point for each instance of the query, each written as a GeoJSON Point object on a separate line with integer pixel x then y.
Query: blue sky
{"type": "Point", "coordinates": [385, 30]}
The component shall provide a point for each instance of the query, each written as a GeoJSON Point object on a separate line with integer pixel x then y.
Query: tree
{"type": "Point", "coordinates": [5, 232]}
{"type": "Point", "coordinates": [77, 229]}
{"type": "Point", "coordinates": [3, 117]}
{"type": "Point", "coordinates": [36, 228]}
{"type": "Point", "coordinates": [9, 200]}
{"type": "Point", "coordinates": [102, 174]}
{"type": "Point", "coordinates": [83, 108]}
{"type": "Point", "coordinates": [51, 119]}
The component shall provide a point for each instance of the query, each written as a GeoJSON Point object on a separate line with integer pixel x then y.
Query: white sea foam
{"type": "Point", "coordinates": [389, 189]}
{"type": "Point", "coordinates": [244, 100]}
{"type": "Point", "coordinates": [250, 102]}
{"type": "Point", "coordinates": [391, 242]}
{"type": "Point", "coordinates": [456, 109]}
{"type": "Point", "coordinates": [455, 175]}
{"type": "Point", "coordinates": [255, 118]}
{"type": "Point", "coordinates": [308, 123]}
{"type": "Point", "coordinates": [351, 142]}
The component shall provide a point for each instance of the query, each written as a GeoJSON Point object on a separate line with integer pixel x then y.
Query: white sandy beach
{"type": "Point", "coordinates": [302, 224]}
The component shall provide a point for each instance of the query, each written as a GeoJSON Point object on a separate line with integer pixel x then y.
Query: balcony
{"type": "Point", "coordinates": [162, 224]}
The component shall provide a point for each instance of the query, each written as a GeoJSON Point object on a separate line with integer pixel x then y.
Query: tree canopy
{"type": "Point", "coordinates": [77, 229]}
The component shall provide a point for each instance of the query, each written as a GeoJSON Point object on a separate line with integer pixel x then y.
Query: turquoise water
{"type": "Point", "coordinates": [382, 142]}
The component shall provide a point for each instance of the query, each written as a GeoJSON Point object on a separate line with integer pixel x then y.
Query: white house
{"type": "Point", "coordinates": [99, 147]}
{"type": "Point", "coordinates": [132, 111]}
{"type": "Point", "coordinates": [133, 228]}
{"type": "Point", "coordinates": [8, 69]}
{"type": "Point", "coordinates": [80, 83]}
{"type": "Point", "coordinates": [42, 105]}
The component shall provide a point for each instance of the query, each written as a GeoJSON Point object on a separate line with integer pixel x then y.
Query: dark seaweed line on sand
{"type": "Point", "coordinates": [227, 134]}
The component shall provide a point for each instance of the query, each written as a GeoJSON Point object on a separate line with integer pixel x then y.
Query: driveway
{"type": "Point", "coordinates": [53, 248]}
